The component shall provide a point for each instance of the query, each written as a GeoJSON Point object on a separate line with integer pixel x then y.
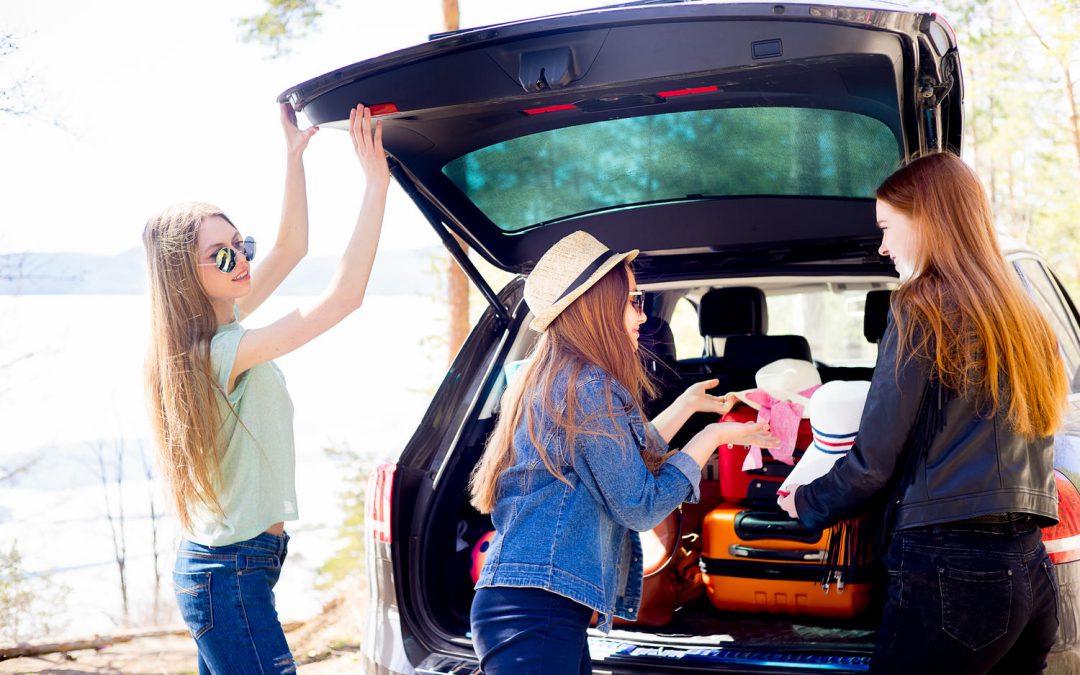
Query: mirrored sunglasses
{"type": "Point", "coordinates": [225, 258]}
{"type": "Point", "coordinates": [637, 299]}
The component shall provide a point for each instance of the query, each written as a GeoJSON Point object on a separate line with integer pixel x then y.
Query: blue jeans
{"type": "Point", "coordinates": [530, 631]}
{"type": "Point", "coordinates": [965, 599]}
{"type": "Point", "coordinates": [226, 598]}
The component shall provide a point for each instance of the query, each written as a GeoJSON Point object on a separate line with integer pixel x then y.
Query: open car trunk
{"type": "Point", "coordinates": [723, 139]}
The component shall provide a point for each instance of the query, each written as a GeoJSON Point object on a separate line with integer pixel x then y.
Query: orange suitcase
{"type": "Point", "coordinates": [764, 561]}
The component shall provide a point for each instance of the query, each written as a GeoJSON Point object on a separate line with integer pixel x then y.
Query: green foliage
{"type": "Point", "coordinates": [1021, 131]}
{"type": "Point", "coordinates": [735, 151]}
{"type": "Point", "coordinates": [348, 560]}
{"type": "Point", "coordinates": [29, 605]}
{"type": "Point", "coordinates": [282, 21]}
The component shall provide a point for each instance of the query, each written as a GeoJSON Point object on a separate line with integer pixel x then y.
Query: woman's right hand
{"type": "Point", "coordinates": [748, 433]}
{"type": "Point", "coordinates": [706, 441]}
{"type": "Point", "coordinates": [368, 145]}
{"type": "Point", "coordinates": [296, 141]}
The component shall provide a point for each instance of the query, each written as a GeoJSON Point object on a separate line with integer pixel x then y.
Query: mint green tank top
{"type": "Point", "coordinates": [256, 486]}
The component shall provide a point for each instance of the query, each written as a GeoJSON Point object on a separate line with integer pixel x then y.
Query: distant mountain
{"type": "Point", "coordinates": [396, 272]}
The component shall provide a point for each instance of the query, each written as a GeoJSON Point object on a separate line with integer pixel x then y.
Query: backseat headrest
{"type": "Point", "coordinates": [656, 336]}
{"type": "Point", "coordinates": [739, 310]}
{"type": "Point", "coordinates": [745, 354]}
{"type": "Point", "coordinates": [876, 316]}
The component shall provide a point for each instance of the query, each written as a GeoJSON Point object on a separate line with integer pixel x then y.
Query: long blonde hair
{"type": "Point", "coordinates": [590, 331]}
{"type": "Point", "coordinates": [180, 384]}
{"type": "Point", "coordinates": [965, 309]}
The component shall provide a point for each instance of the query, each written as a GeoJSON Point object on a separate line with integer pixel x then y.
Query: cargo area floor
{"type": "Point", "coordinates": [699, 623]}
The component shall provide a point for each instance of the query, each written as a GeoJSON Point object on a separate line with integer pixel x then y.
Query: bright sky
{"type": "Point", "coordinates": [143, 104]}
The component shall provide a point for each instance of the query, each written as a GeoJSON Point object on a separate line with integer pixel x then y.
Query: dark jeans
{"type": "Point", "coordinates": [226, 598]}
{"type": "Point", "coordinates": [530, 631]}
{"type": "Point", "coordinates": [968, 600]}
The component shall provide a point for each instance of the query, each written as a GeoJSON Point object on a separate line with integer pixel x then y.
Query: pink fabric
{"type": "Point", "coordinates": [783, 418]}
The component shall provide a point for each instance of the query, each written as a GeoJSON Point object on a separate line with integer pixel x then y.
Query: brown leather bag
{"type": "Point", "coordinates": [672, 575]}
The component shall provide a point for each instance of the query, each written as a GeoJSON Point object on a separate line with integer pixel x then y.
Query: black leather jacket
{"type": "Point", "coordinates": [974, 466]}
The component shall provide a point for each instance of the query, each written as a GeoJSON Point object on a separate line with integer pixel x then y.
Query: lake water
{"type": "Point", "coordinates": [71, 395]}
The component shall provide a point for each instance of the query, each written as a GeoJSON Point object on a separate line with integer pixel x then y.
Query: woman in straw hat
{"type": "Point", "coordinates": [956, 438]}
{"type": "Point", "coordinates": [573, 470]}
{"type": "Point", "coordinates": [221, 414]}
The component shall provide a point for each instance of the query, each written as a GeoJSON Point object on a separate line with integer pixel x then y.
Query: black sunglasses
{"type": "Point", "coordinates": [637, 299]}
{"type": "Point", "coordinates": [225, 258]}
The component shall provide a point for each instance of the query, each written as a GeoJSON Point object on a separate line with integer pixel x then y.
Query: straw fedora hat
{"type": "Point", "coordinates": [835, 411]}
{"type": "Point", "coordinates": [784, 379]}
{"type": "Point", "coordinates": [565, 272]}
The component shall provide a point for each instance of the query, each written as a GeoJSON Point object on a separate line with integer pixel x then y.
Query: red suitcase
{"type": "Point", "coordinates": [764, 561]}
{"type": "Point", "coordinates": [756, 488]}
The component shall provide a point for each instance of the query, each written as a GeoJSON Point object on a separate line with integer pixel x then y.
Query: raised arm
{"type": "Point", "coordinates": [346, 291]}
{"type": "Point", "coordinates": [292, 238]}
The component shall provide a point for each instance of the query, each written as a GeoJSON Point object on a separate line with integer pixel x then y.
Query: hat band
{"type": "Point", "coordinates": [837, 444]}
{"type": "Point", "coordinates": [818, 432]}
{"type": "Point", "coordinates": [589, 271]}
{"type": "Point", "coordinates": [832, 450]}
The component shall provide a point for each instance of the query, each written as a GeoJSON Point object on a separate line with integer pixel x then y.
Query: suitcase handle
{"type": "Point", "coordinates": [739, 551]}
{"type": "Point", "coordinates": [751, 525]}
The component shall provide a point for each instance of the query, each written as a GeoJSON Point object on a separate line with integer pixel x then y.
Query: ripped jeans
{"type": "Point", "coordinates": [226, 598]}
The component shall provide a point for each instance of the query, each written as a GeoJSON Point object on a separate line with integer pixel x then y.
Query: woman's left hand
{"type": "Point", "coordinates": [295, 140]}
{"type": "Point", "coordinates": [787, 502]}
{"type": "Point", "coordinates": [696, 399]}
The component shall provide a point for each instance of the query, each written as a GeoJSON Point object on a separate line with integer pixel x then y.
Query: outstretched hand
{"type": "Point", "coordinates": [749, 433]}
{"type": "Point", "coordinates": [706, 441]}
{"type": "Point", "coordinates": [698, 400]}
{"type": "Point", "coordinates": [368, 145]}
{"type": "Point", "coordinates": [295, 140]}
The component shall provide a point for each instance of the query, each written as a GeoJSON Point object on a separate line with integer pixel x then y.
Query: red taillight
{"type": "Point", "coordinates": [382, 109]}
{"type": "Point", "coordinates": [549, 108]}
{"type": "Point", "coordinates": [687, 92]}
{"type": "Point", "coordinates": [1063, 540]}
{"type": "Point", "coordinates": [377, 506]}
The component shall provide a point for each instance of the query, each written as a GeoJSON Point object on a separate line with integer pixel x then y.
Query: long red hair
{"type": "Point", "coordinates": [965, 308]}
{"type": "Point", "coordinates": [590, 331]}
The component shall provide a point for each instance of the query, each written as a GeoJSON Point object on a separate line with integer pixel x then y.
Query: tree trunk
{"type": "Point", "coordinates": [457, 284]}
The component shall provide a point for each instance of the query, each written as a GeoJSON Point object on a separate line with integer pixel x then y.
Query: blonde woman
{"type": "Point", "coordinates": [573, 470]}
{"type": "Point", "coordinates": [958, 427]}
{"type": "Point", "coordinates": [221, 414]}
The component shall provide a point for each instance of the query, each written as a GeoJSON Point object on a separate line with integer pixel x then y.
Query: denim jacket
{"type": "Point", "coordinates": [580, 540]}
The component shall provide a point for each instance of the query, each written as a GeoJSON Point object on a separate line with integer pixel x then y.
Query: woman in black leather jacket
{"type": "Point", "coordinates": [957, 436]}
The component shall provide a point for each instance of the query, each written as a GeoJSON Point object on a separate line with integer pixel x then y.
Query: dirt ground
{"type": "Point", "coordinates": [325, 644]}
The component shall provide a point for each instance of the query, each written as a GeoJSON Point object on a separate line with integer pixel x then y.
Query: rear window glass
{"type": "Point", "coordinates": [570, 171]}
{"type": "Point", "coordinates": [831, 320]}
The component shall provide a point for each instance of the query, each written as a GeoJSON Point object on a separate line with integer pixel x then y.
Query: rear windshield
{"type": "Point", "coordinates": [699, 154]}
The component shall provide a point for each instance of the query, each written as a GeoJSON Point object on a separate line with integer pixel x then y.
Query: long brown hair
{"type": "Point", "coordinates": [589, 332]}
{"type": "Point", "coordinates": [180, 384]}
{"type": "Point", "coordinates": [964, 308]}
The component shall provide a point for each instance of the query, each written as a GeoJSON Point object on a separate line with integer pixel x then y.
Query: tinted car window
{"type": "Point", "coordinates": [688, 155]}
{"type": "Point", "coordinates": [1046, 296]}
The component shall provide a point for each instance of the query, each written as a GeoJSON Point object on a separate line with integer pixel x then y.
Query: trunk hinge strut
{"type": "Point", "coordinates": [433, 216]}
{"type": "Point", "coordinates": [932, 91]}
